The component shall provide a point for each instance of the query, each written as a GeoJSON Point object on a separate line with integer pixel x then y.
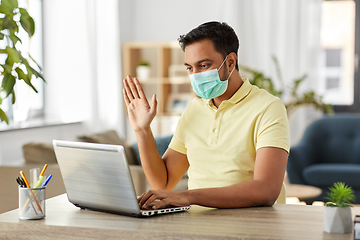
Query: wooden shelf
{"type": "Point", "coordinates": [159, 80]}
{"type": "Point", "coordinates": [160, 55]}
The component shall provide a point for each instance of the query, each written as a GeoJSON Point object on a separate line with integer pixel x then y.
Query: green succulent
{"type": "Point", "coordinates": [340, 195]}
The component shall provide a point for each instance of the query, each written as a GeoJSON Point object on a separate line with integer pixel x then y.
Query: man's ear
{"type": "Point", "coordinates": [231, 63]}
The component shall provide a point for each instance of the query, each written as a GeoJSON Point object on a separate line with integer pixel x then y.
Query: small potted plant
{"type": "Point", "coordinates": [337, 212]}
{"type": "Point", "coordinates": [143, 70]}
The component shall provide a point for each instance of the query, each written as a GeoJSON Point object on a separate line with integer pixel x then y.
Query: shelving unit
{"type": "Point", "coordinates": [160, 55]}
{"type": "Point", "coordinates": [173, 88]}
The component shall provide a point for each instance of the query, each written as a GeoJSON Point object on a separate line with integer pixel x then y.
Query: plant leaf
{"type": "Point", "coordinates": [10, 4]}
{"type": "Point", "coordinates": [5, 10]}
{"type": "Point", "coordinates": [25, 77]}
{"type": "Point", "coordinates": [13, 99]}
{"type": "Point", "coordinates": [10, 24]}
{"type": "Point", "coordinates": [7, 68]}
{"type": "Point", "coordinates": [40, 68]}
{"type": "Point", "coordinates": [3, 116]}
{"type": "Point", "coordinates": [13, 55]}
{"type": "Point", "coordinates": [14, 38]}
{"type": "Point", "coordinates": [8, 84]}
{"type": "Point", "coordinates": [27, 22]}
{"type": "Point", "coordinates": [341, 195]}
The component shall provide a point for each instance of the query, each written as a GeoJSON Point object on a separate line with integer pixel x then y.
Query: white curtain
{"type": "Point", "coordinates": [82, 53]}
{"type": "Point", "coordinates": [290, 30]}
{"type": "Point", "coordinates": [103, 26]}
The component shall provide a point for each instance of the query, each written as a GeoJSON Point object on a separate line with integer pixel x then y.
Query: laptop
{"type": "Point", "coordinates": [97, 177]}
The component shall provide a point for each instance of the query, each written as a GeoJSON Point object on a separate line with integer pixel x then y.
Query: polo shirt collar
{"type": "Point", "coordinates": [240, 94]}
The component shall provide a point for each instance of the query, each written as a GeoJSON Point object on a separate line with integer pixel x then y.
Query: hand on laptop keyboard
{"type": "Point", "coordinates": [157, 199]}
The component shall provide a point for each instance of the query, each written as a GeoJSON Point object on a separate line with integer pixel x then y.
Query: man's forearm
{"type": "Point", "coordinates": [252, 193]}
{"type": "Point", "coordinates": [152, 163]}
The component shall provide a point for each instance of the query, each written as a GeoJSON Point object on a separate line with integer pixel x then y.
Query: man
{"type": "Point", "coordinates": [233, 140]}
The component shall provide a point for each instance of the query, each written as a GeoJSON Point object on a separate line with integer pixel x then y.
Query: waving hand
{"type": "Point", "coordinates": [140, 112]}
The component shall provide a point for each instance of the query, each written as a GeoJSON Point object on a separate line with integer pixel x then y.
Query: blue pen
{"type": "Point", "coordinates": [47, 180]}
{"type": "Point", "coordinates": [44, 185]}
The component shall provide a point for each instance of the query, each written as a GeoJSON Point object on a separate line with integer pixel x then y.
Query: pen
{"type": "Point", "coordinates": [44, 185]}
{"type": "Point", "coordinates": [47, 181]}
{"type": "Point", "coordinates": [42, 172]}
{"type": "Point", "coordinates": [41, 176]}
{"type": "Point", "coordinates": [32, 194]}
{"type": "Point", "coordinates": [21, 183]}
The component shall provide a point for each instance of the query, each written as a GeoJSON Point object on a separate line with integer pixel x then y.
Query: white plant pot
{"type": "Point", "coordinates": [143, 73]}
{"type": "Point", "coordinates": [337, 220]}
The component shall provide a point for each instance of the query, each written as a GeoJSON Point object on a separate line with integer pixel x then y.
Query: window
{"type": "Point", "coordinates": [340, 37]}
{"type": "Point", "coordinates": [29, 105]}
{"type": "Point", "coordinates": [333, 69]}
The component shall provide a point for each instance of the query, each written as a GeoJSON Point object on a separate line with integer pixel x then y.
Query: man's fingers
{"type": "Point", "coordinates": [153, 104]}
{"type": "Point", "coordinates": [132, 86]}
{"type": "Point", "coordinates": [126, 98]}
{"type": "Point", "coordinates": [150, 202]}
{"type": "Point", "coordinates": [139, 88]}
{"type": "Point", "coordinates": [148, 199]}
{"type": "Point", "coordinates": [141, 196]}
{"type": "Point", "coordinates": [128, 92]}
{"type": "Point", "coordinates": [160, 204]}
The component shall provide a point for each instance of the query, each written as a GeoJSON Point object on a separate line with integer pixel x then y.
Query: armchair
{"type": "Point", "coordinates": [328, 152]}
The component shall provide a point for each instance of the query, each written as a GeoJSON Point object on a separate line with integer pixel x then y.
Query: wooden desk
{"type": "Point", "coordinates": [65, 221]}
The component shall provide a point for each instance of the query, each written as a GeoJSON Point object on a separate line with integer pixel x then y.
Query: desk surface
{"type": "Point", "coordinates": [65, 221]}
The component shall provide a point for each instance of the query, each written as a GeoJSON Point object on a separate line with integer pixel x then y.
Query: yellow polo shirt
{"type": "Point", "coordinates": [221, 143]}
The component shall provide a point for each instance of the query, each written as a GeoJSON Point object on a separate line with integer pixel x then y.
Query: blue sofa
{"type": "Point", "coordinates": [328, 152]}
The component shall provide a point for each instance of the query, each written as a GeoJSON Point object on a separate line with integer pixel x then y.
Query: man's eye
{"type": "Point", "coordinates": [189, 68]}
{"type": "Point", "coordinates": [204, 65]}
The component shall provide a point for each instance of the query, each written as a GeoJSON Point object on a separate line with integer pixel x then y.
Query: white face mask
{"type": "Point", "coordinates": [207, 84]}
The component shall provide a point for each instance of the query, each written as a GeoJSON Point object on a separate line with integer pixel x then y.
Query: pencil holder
{"type": "Point", "coordinates": [31, 203]}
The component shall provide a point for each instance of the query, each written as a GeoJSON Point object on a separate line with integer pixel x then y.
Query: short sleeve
{"type": "Point", "coordinates": [273, 128]}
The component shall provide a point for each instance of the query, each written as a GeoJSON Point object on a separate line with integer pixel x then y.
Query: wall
{"type": "Point", "coordinates": [11, 141]}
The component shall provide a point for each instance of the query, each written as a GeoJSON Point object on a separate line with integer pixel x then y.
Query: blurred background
{"type": "Point", "coordinates": [82, 44]}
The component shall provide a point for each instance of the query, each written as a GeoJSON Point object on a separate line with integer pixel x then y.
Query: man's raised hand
{"type": "Point", "coordinates": [140, 112]}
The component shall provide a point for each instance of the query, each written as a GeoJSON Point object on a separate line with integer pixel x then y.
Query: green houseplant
{"type": "Point", "coordinates": [337, 212]}
{"type": "Point", "coordinates": [17, 65]}
{"type": "Point", "coordinates": [297, 99]}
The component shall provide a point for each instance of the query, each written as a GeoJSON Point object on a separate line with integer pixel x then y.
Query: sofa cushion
{"type": "Point", "coordinates": [325, 175]}
{"type": "Point", "coordinates": [110, 137]}
{"type": "Point", "coordinates": [162, 144]}
{"type": "Point", "coordinates": [39, 153]}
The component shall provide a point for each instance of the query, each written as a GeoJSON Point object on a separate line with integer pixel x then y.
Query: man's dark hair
{"type": "Point", "coordinates": [220, 33]}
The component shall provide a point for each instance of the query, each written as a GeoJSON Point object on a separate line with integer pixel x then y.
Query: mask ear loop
{"type": "Point", "coordinates": [223, 62]}
{"type": "Point", "coordinates": [230, 73]}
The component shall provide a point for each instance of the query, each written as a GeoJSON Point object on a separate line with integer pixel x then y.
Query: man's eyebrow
{"type": "Point", "coordinates": [201, 61]}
